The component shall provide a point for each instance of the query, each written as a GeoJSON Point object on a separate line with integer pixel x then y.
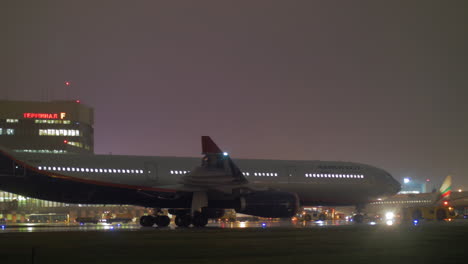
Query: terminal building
{"type": "Point", "coordinates": [413, 186]}
{"type": "Point", "coordinates": [47, 127]}
{"type": "Point", "coordinates": [56, 127]}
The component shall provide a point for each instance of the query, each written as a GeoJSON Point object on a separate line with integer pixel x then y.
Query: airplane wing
{"type": "Point", "coordinates": [217, 171]}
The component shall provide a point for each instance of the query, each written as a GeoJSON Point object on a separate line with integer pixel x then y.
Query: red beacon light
{"type": "Point", "coordinates": [77, 101]}
{"type": "Point", "coordinates": [65, 141]}
{"type": "Point", "coordinates": [446, 203]}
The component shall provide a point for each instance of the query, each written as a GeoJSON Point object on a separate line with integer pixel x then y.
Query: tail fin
{"type": "Point", "coordinates": [209, 147]}
{"type": "Point", "coordinates": [444, 191]}
{"type": "Point", "coordinates": [215, 158]}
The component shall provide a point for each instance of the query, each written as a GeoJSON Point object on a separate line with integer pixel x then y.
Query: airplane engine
{"type": "Point", "coordinates": [269, 204]}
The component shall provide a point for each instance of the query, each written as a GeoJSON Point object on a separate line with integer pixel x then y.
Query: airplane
{"type": "Point", "coordinates": [414, 203]}
{"type": "Point", "coordinates": [194, 194]}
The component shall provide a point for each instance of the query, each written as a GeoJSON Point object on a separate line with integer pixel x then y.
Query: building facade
{"type": "Point", "coordinates": [57, 127]}
{"type": "Point", "coordinates": [47, 127]}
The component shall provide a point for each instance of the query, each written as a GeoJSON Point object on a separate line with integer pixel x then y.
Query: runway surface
{"type": "Point", "coordinates": [239, 242]}
{"type": "Point", "coordinates": [61, 227]}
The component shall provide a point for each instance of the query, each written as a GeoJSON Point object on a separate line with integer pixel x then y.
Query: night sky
{"type": "Point", "coordinates": [379, 82]}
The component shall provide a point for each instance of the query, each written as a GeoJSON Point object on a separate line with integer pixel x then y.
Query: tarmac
{"type": "Point", "coordinates": [238, 242]}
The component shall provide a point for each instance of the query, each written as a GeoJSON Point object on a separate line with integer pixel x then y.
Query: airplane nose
{"type": "Point", "coordinates": [396, 186]}
{"type": "Point", "coordinates": [392, 186]}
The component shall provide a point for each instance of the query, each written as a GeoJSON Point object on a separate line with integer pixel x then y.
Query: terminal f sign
{"type": "Point", "coordinates": [62, 115]}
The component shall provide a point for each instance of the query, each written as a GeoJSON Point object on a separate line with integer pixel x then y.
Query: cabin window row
{"type": "Point", "coordinates": [266, 174]}
{"type": "Point", "coordinates": [94, 170]}
{"type": "Point", "coordinates": [41, 150]}
{"type": "Point", "coordinates": [340, 176]}
{"type": "Point", "coordinates": [400, 202]}
{"type": "Point", "coordinates": [179, 172]}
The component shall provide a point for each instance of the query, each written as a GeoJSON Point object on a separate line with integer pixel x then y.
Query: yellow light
{"type": "Point", "coordinates": [459, 190]}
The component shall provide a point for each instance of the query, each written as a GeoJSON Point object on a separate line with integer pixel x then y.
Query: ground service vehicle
{"type": "Point", "coordinates": [308, 215]}
{"type": "Point", "coordinates": [428, 213]}
{"type": "Point", "coordinates": [84, 220]}
{"type": "Point", "coordinates": [117, 218]}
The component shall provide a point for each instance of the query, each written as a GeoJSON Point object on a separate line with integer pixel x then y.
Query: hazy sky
{"type": "Point", "coordinates": [379, 82]}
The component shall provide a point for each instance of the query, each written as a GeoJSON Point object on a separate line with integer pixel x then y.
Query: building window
{"type": "Point", "coordinates": [12, 120]}
{"type": "Point", "coordinates": [10, 131]}
{"type": "Point", "coordinates": [59, 132]}
{"type": "Point", "coordinates": [45, 121]}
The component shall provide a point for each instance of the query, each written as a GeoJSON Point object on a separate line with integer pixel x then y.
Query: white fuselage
{"type": "Point", "coordinates": [315, 182]}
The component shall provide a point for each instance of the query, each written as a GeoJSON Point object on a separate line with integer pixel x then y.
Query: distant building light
{"type": "Point", "coordinates": [409, 192]}
{"type": "Point", "coordinates": [406, 180]}
{"type": "Point", "coordinates": [225, 154]}
{"type": "Point", "coordinates": [459, 190]}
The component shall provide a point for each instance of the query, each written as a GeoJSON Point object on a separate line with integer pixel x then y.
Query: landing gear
{"type": "Point", "coordinates": [162, 220]}
{"type": "Point", "coordinates": [183, 220]}
{"type": "Point", "coordinates": [359, 218]}
{"type": "Point", "coordinates": [159, 220]}
{"type": "Point", "coordinates": [147, 220]}
{"type": "Point", "coordinates": [199, 220]}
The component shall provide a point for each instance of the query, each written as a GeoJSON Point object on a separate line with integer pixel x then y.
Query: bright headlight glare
{"type": "Point", "coordinates": [389, 215]}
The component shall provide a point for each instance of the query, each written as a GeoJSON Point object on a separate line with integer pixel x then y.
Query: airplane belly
{"type": "Point", "coordinates": [327, 194]}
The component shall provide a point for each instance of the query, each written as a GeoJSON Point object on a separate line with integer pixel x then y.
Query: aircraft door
{"type": "Point", "coordinates": [151, 171]}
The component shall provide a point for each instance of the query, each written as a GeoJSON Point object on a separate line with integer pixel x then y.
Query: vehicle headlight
{"type": "Point", "coordinates": [389, 215]}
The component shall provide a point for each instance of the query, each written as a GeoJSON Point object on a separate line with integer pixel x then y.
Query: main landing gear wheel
{"type": "Point", "coordinates": [147, 220]}
{"type": "Point", "coordinates": [162, 220]}
{"type": "Point", "coordinates": [183, 220]}
{"type": "Point", "coordinates": [199, 220]}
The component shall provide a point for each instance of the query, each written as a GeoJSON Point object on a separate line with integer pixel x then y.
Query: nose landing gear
{"type": "Point", "coordinates": [358, 217]}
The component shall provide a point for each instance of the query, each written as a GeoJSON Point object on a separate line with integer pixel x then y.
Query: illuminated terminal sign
{"type": "Point", "coordinates": [45, 115]}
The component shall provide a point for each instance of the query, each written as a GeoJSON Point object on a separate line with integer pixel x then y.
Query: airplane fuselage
{"type": "Point", "coordinates": [155, 181]}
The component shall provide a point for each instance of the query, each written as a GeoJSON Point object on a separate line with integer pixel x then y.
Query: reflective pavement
{"type": "Point", "coordinates": [212, 225]}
